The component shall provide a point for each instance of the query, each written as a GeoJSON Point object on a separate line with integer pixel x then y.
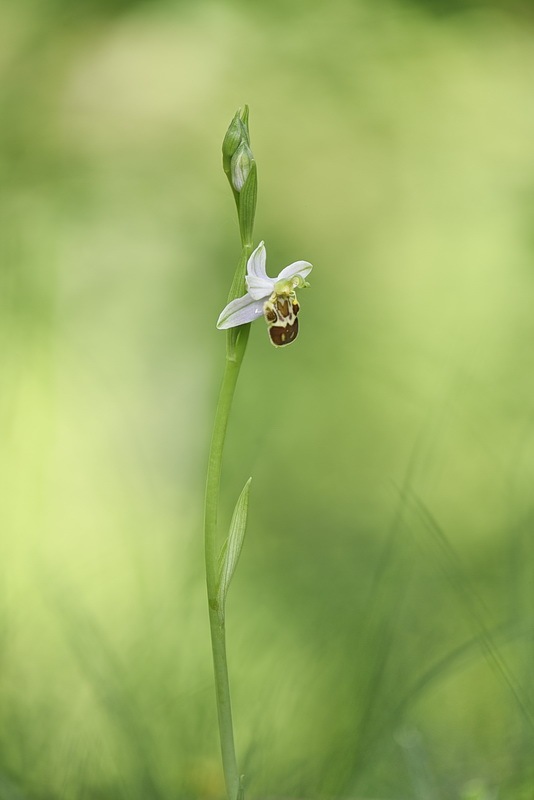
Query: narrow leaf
{"type": "Point", "coordinates": [247, 205]}
{"type": "Point", "coordinates": [232, 547]}
{"type": "Point", "coordinates": [244, 118]}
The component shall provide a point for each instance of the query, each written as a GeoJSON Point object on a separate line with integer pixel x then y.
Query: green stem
{"type": "Point", "coordinates": [224, 705]}
{"type": "Point", "coordinates": [234, 360]}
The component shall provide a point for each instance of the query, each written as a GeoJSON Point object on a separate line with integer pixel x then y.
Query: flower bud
{"type": "Point", "coordinates": [240, 169]}
{"type": "Point", "coordinates": [236, 134]}
{"type": "Point", "coordinates": [240, 165]}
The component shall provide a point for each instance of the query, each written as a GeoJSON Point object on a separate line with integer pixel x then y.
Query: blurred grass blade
{"type": "Point", "coordinates": [423, 781]}
{"type": "Point", "coordinates": [475, 609]}
{"type": "Point", "coordinates": [231, 549]}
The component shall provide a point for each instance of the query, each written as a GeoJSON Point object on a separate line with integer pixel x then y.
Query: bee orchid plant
{"type": "Point", "coordinates": [253, 294]}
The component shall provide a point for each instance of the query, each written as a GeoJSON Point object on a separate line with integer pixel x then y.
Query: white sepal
{"type": "Point", "coordinates": [256, 262]}
{"type": "Point", "coordinates": [240, 311]}
{"type": "Point", "coordinates": [301, 268]}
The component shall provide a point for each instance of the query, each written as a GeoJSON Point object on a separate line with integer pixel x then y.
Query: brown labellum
{"type": "Point", "coordinates": [282, 335]}
{"type": "Point", "coordinates": [280, 312]}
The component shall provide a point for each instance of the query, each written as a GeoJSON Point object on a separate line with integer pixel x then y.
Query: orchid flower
{"type": "Point", "coordinates": [274, 298]}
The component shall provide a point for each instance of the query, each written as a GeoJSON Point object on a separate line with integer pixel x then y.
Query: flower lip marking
{"type": "Point", "coordinates": [280, 312]}
{"type": "Point", "coordinates": [274, 298]}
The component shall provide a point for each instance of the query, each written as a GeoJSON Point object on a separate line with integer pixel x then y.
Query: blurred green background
{"type": "Point", "coordinates": [381, 621]}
